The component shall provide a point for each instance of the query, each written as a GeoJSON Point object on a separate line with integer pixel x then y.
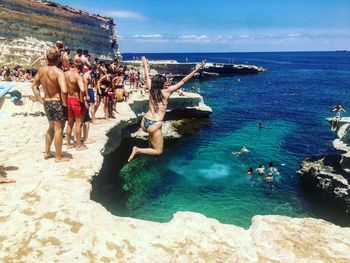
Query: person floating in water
{"type": "Point", "coordinates": [244, 149]}
{"type": "Point", "coordinates": [250, 172]}
{"type": "Point", "coordinates": [260, 170]}
{"type": "Point", "coordinates": [269, 177]}
{"type": "Point", "coordinates": [272, 168]}
{"type": "Point", "coordinates": [159, 94]}
{"type": "Point", "coordinates": [261, 125]}
{"type": "Point", "coordinates": [338, 109]}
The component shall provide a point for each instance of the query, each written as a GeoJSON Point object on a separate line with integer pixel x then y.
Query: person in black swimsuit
{"type": "Point", "coordinates": [103, 85]}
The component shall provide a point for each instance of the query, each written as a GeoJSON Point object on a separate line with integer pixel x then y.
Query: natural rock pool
{"type": "Point", "coordinates": [201, 173]}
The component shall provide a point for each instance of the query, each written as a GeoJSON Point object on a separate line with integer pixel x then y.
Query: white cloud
{"type": "Point", "coordinates": [125, 14]}
{"type": "Point", "coordinates": [148, 36]}
{"type": "Point", "coordinates": [244, 36]}
{"type": "Point", "coordinates": [294, 35]}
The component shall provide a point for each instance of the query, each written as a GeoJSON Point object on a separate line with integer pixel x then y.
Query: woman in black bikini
{"type": "Point", "coordinates": [159, 94]}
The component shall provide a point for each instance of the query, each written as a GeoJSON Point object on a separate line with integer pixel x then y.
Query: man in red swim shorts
{"type": "Point", "coordinates": [76, 106]}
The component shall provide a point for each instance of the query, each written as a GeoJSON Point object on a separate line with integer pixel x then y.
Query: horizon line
{"type": "Point", "coordinates": [204, 52]}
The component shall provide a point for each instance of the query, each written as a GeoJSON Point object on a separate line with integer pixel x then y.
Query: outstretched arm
{"type": "Point", "coordinates": [182, 82]}
{"type": "Point", "coordinates": [35, 88]}
{"type": "Point", "coordinates": [146, 70]}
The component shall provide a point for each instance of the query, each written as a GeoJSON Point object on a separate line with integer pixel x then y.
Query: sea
{"type": "Point", "coordinates": [204, 171]}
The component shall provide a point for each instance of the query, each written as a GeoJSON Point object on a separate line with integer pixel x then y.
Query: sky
{"type": "Point", "coordinates": [225, 25]}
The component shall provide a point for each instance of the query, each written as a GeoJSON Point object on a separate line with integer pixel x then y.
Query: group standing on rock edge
{"type": "Point", "coordinates": [74, 88]}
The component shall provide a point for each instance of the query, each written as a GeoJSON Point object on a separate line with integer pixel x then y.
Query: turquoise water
{"type": "Point", "coordinates": [202, 173]}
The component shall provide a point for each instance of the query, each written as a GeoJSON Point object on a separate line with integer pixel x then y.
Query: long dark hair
{"type": "Point", "coordinates": [158, 82]}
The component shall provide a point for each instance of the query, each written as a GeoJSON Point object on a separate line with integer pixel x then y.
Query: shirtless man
{"type": "Point", "coordinates": [89, 87]}
{"type": "Point", "coordinates": [58, 47]}
{"type": "Point", "coordinates": [65, 59]}
{"type": "Point", "coordinates": [76, 106]}
{"type": "Point", "coordinates": [53, 82]}
{"type": "Point", "coordinates": [80, 58]}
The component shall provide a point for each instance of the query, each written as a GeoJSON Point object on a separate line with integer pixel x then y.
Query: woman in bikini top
{"type": "Point", "coordinates": [159, 94]}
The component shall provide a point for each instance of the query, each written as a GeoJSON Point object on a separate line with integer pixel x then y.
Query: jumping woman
{"type": "Point", "coordinates": [158, 102]}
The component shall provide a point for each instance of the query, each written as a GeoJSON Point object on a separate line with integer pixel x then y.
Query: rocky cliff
{"type": "Point", "coordinates": [29, 27]}
{"type": "Point", "coordinates": [330, 174]}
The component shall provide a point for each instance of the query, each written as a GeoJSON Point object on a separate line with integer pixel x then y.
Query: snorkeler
{"type": "Point", "coordinates": [159, 94]}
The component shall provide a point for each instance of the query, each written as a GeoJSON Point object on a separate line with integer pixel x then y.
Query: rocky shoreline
{"type": "Point", "coordinates": [48, 214]}
{"type": "Point", "coordinates": [329, 174]}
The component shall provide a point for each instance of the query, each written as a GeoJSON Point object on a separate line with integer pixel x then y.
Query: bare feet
{"type": "Point", "coordinates": [5, 180]}
{"type": "Point", "coordinates": [48, 156]}
{"type": "Point", "coordinates": [62, 159]}
{"type": "Point", "coordinates": [70, 146]}
{"type": "Point", "coordinates": [132, 155]}
{"type": "Point", "coordinates": [81, 148]}
{"type": "Point", "coordinates": [89, 141]}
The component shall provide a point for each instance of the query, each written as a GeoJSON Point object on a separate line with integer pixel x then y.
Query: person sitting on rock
{"type": "Point", "coordinates": [159, 94]}
{"type": "Point", "coordinates": [338, 109]}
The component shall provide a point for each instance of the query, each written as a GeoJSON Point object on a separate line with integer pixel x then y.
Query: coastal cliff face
{"type": "Point", "coordinates": [29, 27]}
{"type": "Point", "coordinates": [330, 174]}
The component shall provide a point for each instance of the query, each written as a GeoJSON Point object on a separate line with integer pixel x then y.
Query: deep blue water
{"type": "Point", "coordinates": [200, 173]}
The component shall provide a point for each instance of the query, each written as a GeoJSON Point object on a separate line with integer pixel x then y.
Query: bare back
{"type": "Point", "coordinates": [74, 82]}
{"type": "Point", "coordinates": [158, 109]}
{"type": "Point", "coordinates": [49, 78]}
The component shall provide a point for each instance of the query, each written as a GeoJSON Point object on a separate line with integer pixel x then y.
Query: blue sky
{"type": "Point", "coordinates": [225, 25]}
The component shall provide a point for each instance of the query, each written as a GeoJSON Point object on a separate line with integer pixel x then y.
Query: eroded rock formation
{"type": "Point", "coordinates": [330, 174]}
{"type": "Point", "coordinates": [29, 27]}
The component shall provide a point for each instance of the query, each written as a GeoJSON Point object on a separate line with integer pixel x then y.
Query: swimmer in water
{"type": "Point", "coordinates": [269, 177]}
{"type": "Point", "coordinates": [260, 170]}
{"type": "Point", "coordinates": [272, 168]}
{"type": "Point", "coordinates": [261, 125]}
{"type": "Point", "coordinates": [244, 149]}
{"type": "Point", "coordinates": [250, 172]}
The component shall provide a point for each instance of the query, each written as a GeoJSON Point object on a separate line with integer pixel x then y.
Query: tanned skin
{"type": "Point", "coordinates": [76, 88]}
{"type": "Point", "coordinates": [53, 82]}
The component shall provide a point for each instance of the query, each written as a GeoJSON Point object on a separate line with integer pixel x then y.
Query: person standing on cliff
{"type": "Point", "coordinates": [81, 59]}
{"type": "Point", "coordinates": [159, 94]}
{"type": "Point", "coordinates": [59, 48]}
{"type": "Point", "coordinates": [76, 105]}
{"type": "Point", "coordinates": [53, 82]}
{"type": "Point", "coordinates": [65, 59]}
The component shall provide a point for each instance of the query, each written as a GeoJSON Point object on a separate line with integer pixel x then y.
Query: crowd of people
{"type": "Point", "coordinates": [75, 86]}
{"type": "Point", "coordinates": [17, 73]}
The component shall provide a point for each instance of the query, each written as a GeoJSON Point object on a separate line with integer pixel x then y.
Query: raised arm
{"type": "Point", "coordinates": [35, 88]}
{"type": "Point", "coordinates": [63, 86]}
{"type": "Point", "coordinates": [146, 71]}
{"type": "Point", "coordinates": [182, 82]}
{"type": "Point", "coordinates": [37, 60]}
